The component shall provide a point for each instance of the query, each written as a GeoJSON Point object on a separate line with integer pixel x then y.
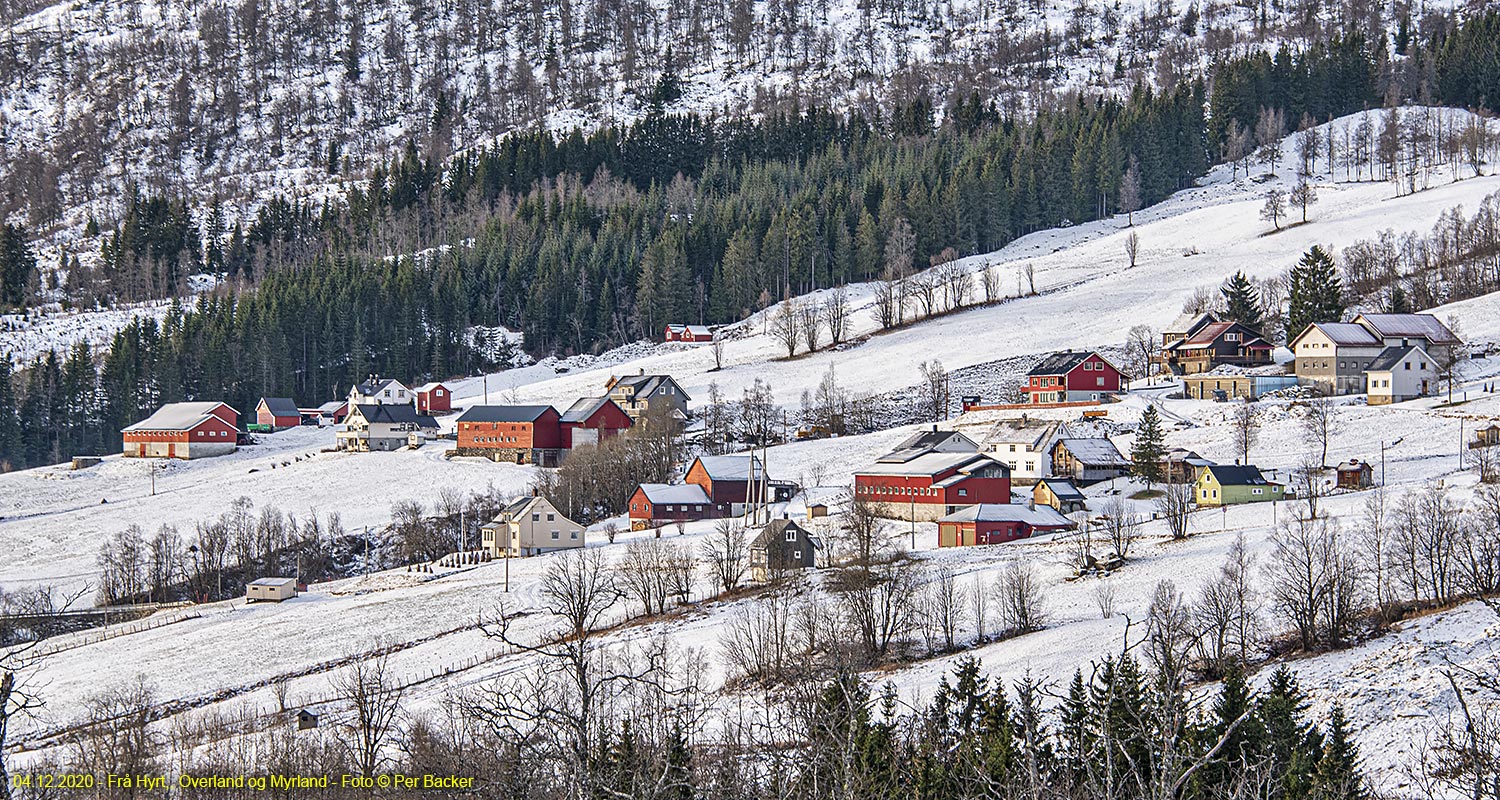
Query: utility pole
{"type": "Point", "coordinates": [1382, 459]}
{"type": "Point", "coordinates": [913, 498]}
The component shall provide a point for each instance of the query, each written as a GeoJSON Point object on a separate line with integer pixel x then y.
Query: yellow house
{"type": "Point", "coordinates": [1228, 485]}
{"type": "Point", "coordinates": [530, 526]}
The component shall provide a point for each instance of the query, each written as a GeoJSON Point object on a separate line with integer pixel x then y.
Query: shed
{"type": "Point", "coordinates": [307, 720]}
{"type": "Point", "coordinates": [816, 510]}
{"type": "Point", "coordinates": [433, 398]}
{"type": "Point", "coordinates": [271, 590]}
{"type": "Point", "coordinates": [277, 413]}
{"type": "Point", "coordinates": [1355, 474]}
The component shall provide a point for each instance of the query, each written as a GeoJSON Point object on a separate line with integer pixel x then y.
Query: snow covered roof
{"type": "Point", "coordinates": [1060, 363]}
{"type": "Point", "coordinates": [1023, 430]}
{"type": "Point", "coordinates": [504, 413]}
{"type": "Point", "coordinates": [1187, 323]}
{"type": "Point", "coordinates": [1094, 451]}
{"type": "Point", "coordinates": [429, 386]}
{"type": "Point", "coordinates": [674, 493]}
{"type": "Point", "coordinates": [1391, 356]}
{"type": "Point", "coordinates": [1063, 489]}
{"type": "Point", "coordinates": [375, 385]}
{"type": "Point", "coordinates": [695, 330]}
{"type": "Point", "coordinates": [730, 468]}
{"type": "Point", "coordinates": [583, 408]}
{"type": "Point", "coordinates": [927, 442]}
{"type": "Point", "coordinates": [278, 582]}
{"type": "Point", "coordinates": [332, 406]}
{"type": "Point", "coordinates": [645, 385]}
{"type": "Point", "coordinates": [280, 406]}
{"type": "Point", "coordinates": [1344, 333]}
{"type": "Point", "coordinates": [933, 464]}
{"type": "Point", "coordinates": [177, 417]}
{"type": "Point", "coordinates": [1036, 516]}
{"type": "Point", "coordinates": [1424, 326]}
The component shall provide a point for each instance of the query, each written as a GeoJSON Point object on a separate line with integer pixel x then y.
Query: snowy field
{"type": "Point", "coordinates": [54, 519]}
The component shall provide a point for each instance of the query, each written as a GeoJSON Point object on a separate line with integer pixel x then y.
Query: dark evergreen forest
{"type": "Point", "coordinates": [590, 240]}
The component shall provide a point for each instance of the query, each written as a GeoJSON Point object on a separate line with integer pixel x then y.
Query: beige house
{"type": "Point", "coordinates": [530, 526]}
{"type": "Point", "coordinates": [641, 394]}
{"type": "Point", "coordinates": [383, 427]}
{"type": "Point", "coordinates": [1334, 356]}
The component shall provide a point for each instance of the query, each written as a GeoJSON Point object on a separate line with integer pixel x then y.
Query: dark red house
{"type": "Point", "coordinates": [932, 486]}
{"type": "Point", "coordinates": [433, 398]}
{"type": "Point", "coordinates": [997, 524]}
{"type": "Point", "coordinates": [592, 420]}
{"type": "Point", "coordinates": [279, 413]}
{"type": "Point", "coordinates": [656, 504]}
{"type": "Point", "coordinates": [687, 333]}
{"type": "Point", "coordinates": [1072, 377]}
{"type": "Point", "coordinates": [727, 482]}
{"type": "Point", "coordinates": [1215, 344]}
{"type": "Point", "coordinates": [523, 434]}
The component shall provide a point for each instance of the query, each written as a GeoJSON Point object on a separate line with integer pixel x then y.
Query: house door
{"type": "Point", "coordinates": [171, 449]}
{"type": "Point", "coordinates": [1424, 387]}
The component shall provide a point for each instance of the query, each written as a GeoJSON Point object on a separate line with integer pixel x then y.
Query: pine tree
{"type": "Point", "coordinates": [1316, 295]}
{"type": "Point", "coordinates": [1338, 775]}
{"type": "Point", "coordinates": [1292, 745]}
{"type": "Point", "coordinates": [1240, 301]}
{"type": "Point", "coordinates": [17, 265]}
{"type": "Point", "coordinates": [1146, 453]}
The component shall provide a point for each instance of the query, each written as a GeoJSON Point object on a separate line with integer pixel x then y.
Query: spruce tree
{"type": "Point", "coordinates": [1338, 775]}
{"type": "Point", "coordinates": [1317, 293]}
{"type": "Point", "coordinates": [1240, 301]}
{"type": "Point", "coordinates": [1147, 451]}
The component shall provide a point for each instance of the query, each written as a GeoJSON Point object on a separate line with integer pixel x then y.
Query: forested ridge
{"type": "Point", "coordinates": [589, 240]}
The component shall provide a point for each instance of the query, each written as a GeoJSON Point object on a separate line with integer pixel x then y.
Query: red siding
{"type": "Point", "coordinates": [608, 419]}
{"type": "Point", "coordinates": [200, 433]}
{"type": "Point", "coordinates": [641, 508]}
{"type": "Point", "coordinates": [543, 434]}
{"type": "Point", "coordinates": [438, 398]}
{"type": "Point", "coordinates": [918, 489]}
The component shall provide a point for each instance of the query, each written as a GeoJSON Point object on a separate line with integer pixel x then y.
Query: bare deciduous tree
{"type": "Point", "coordinates": [1020, 599]}
{"type": "Point", "coordinates": [836, 314]}
{"type": "Point", "coordinates": [1175, 505]}
{"type": "Point", "coordinates": [370, 688]}
{"type": "Point", "coordinates": [1246, 429]}
{"type": "Point", "coordinates": [1132, 246]}
{"type": "Point", "coordinates": [726, 552]}
{"type": "Point", "coordinates": [786, 325]}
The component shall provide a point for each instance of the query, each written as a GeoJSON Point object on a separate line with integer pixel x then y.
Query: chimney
{"type": "Point", "coordinates": [784, 515]}
{"type": "Point", "coordinates": [934, 427]}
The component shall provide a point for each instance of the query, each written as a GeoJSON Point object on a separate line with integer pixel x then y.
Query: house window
{"type": "Point", "coordinates": [1013, 448]}
{"type": "Point", "coordinates": [437, 392]}
{"type": "Point", "coordinates": [797, 555]}
{"type": "Point", "coordinates": [1257, 491]}
{"type": "Point", "coordinates": [537, 517]}
{"type": "Point", "coordinates": [554, 536]}
{"type": "Point", "coordinates": [573, 535]}
{"type": "Point", "coordinates": [963, 492]}
{"type": "Point", "coordinates": [791, 536]}
{"type": "Point", "coordinates": [551, 517]}
{"type": "Point", "coordinates": [387, 392]}
{"type": "Point", "coordinates": [1101, 381]}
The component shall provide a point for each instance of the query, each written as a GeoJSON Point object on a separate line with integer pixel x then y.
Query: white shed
{"type": "Point", "coordinates": [272, 590]}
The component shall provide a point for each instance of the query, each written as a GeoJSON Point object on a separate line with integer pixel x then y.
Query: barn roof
{"type": "Point", "coordinates": [176, 417]}
{"type": "Point", "coordinates": [504, 413]}
{"type": "Point", "coordinates": [281, 406]}
{"type": "Point", "coordinates": [1423, 326]}
{"type": "Point", "coordinates": [1343, 333]}
{"type": "Point", "coordinates": [674, 493]}
{"type": "Point", "coordinates": [274, 582]}
{"type": "Point", "coordinates": [934, 463]}
{"type": "Point", "coordinates": [731, 467]}
{"type": "Point", "coordinates": [1036, 516]}
{"type": "Point", "coordinates": [584, 407]}
{"type": "Point", "coordinates": [1063, 489]}
{"type": "Point", "coordinates": [927, 442]}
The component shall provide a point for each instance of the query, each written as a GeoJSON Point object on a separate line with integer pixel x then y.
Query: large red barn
{"type": "Point", "coordinates": [184, 430]}
{"type": "Point", "coordinates": [998, 523]}
{"type": "Point", "coordinates": [655, 504]}
{"type": "Point", "coordinates": [591, 420]}
{"type": "Point", "coordinates": [932, 485]}
{"type": "Point", "coordinates": [523, 434]}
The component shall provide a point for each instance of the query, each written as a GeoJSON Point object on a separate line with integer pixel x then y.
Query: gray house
{"type": "Point", "coordinates": [781, 547]}
{"type": "Point", "coordinates": [640, 394]}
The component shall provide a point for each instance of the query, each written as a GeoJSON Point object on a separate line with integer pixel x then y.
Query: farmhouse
{"type": "Point", "coordinates": [1399, 374]}
{"type": "Point", "coordinates": [592, 420]}
{"type": "Point", "coordinates": [1060, 494]}
{"type": "Point", "coordinates": [522, 434]}
{"type": "Point", "coordinates": [995, 524]}
{"type": "Point", "coordinates": [1227, 485]}
{"type": "Point", "coordinates": [433, 398]}
{"type": "Point", "coordinates": [1180, 465]}
{"type": "Point", "coordinates": [272, 590]}
{"type": "Point", "coordinates": [655, 504]}
{"type": "Point", "coordinates": [379, 391]}
{"type": "Point", "coordinates": [687, 333]}
{"type": "Point", "coordinates": [932, 485]}
{"type": "Point", "coordinates": [1217, 344]}
{"type": "Point", "coordinates": [781, 547]}
{"type": "Point", "coordinates": [1023, 445]}
{"type": "Point", "coordinates": [529, 526]}
{"type": "Point", "coordinates": [277, 413]}
{"type": "Point", "coordinates": [382, 427]}
{"type": "Point", "coordinates": [734, 483]}
{"type": "Point", "coordinates": [1088, 460]}
{"type": "Point", "coordinates": [1072, 377]}
{"type": "Point", "coordinates": [184, 430]}
{"type": "Point", "coordinates": [1336, 355]}
{"type": "Point", "coordinates": [640, 394]}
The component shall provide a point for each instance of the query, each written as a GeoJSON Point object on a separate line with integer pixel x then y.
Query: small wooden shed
{"type": "Point", "coordinates": [307, 720]}
{"type": "Point", "coordinates": [1355, 474]}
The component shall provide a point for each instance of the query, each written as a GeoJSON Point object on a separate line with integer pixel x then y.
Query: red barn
{"type": "Point", "coordinates": [279, 413]}
{"type": "Point", "coordinates": [727, 481]}
{"type": "Point", "coordinates": [995, 524]}
{"type": "Point", "coordinates": [655, 504]}
{"type": "Point", "coordinates": [184, 430]}
{"type": "Point", "coordinates": [592, 420]}
{"type": "Point", "coordinates": [433, 398]}
{"type": "Point", "coordinates": [687, 333]}
{"type": "Point", "coordinates": [933, 485]}
{"type": "Point", "coordinates": [1072, 377]}
{"type": "Point", "coordinates": [523, 434]}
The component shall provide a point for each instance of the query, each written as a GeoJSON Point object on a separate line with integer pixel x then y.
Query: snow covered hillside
{"type": "Point", "coordinates": [218, 658]}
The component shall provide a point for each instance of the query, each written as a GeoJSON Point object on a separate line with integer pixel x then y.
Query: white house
{"type": "Point", "coordinates": [382, 427]}
{"type": "Point", "coordinates": [1399, 374]}
{"type": "Point", "coordinates": [1025, 445]}
{"type": "Point", "coordinates": [529, 526]}
{"type": "Point", "coordinates": [380, 391]}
